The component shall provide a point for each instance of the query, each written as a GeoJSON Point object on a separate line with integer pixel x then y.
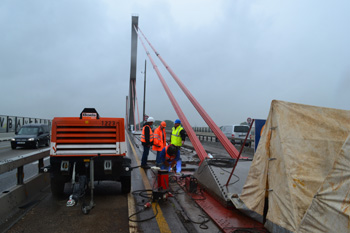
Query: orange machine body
{"type": "Point", "coordinates": [72, 136]}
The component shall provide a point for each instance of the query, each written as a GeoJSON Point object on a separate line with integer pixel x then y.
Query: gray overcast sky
{"type": "Point", "coordinates": [235, 56]}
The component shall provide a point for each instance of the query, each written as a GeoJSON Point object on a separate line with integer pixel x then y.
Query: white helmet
{"type": "Point", "coordinates": [150, 119]}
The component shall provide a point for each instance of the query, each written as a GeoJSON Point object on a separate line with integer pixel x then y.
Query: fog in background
{"type": "Point", "coordinates": [235, 57]}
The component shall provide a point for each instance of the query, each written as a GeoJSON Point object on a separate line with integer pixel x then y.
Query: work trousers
{"type": "Point", "coordinates": [158, 160]}
{"type": "Point", "coordinates": [145, 155]}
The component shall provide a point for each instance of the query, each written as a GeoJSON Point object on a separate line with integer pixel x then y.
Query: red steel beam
{"type": "Point", "coordinates": [202, 154]}
{"type": "Point", "coordinates": [232, 151]}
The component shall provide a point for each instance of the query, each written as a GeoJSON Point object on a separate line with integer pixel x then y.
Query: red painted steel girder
{"type": "Point", "coordinates": [202, 154]}
{"type": "Point", "coordinates": [228, 220]}
{"type": "Point", "coordinates": [232, 151]}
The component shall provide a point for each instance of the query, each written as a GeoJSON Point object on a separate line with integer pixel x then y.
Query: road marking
{"type": "Point", "coordinates": [131, 209]}
{"type": "Point", "coordinates": [131, 200]}
{"type": "Point", "coordinates": [162, 224]}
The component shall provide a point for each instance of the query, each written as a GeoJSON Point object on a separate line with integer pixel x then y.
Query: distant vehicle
{"type": "Point", "coordinates": [233, 132]}
{"type": "Point", "coordinates": [31, 135]}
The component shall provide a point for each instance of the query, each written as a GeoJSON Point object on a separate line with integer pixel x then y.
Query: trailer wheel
{"type": "Point", "coordinates": [57, 187]}
{"type": "Point", "coordinates": [126, 184]}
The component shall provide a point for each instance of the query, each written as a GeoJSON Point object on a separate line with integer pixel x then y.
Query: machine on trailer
{"type": "Point", "coordinates": [88, 148]}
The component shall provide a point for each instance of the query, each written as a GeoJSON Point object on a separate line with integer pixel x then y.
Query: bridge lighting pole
{"type": "Point", "coordinates": [144, 93]}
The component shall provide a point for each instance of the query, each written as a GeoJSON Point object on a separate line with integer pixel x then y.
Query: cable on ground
{"type": "Point", "coordinates": [180, 181]}
{"type": "Point", "coordinates": [146, 206]}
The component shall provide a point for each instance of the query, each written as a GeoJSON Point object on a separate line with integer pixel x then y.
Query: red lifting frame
{"type": "Point", "coordinates": [231, 150]}
{"type": "Point", "coordinates": [202, 154]}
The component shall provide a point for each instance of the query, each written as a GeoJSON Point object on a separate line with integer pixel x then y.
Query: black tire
{"type": "Point", "coordinates": [126, 184]}
{"type": "Point", "coordinates": [13, 147]}
{"type": "Point", "coordinates": [57, 187]}
{"type": "Point", "coordinates": [47, 142]}
{"type": "Point", "coordinates": [36, 145]}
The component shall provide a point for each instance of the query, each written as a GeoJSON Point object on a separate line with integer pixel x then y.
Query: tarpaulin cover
{"type": "Point", "coordinates": [302, 167]}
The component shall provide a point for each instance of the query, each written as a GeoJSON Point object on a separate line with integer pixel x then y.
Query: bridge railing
{"type": "Point", "coordinates": [18, 163]}
{"type": "Point", "coordinates": [24, 190]}
{"type": "Point", "coordinates": [205, 134]}
{"type": "Point", "coordinates": [13, 123]}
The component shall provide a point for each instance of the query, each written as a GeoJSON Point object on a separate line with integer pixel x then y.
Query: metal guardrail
{"type": "Point", "coordinates": [213, 138]}
{"type": "Point", "coordinates": [24, 191]}
{"type": "Point", "coordinates": [18, 163]}
{"type": "Point", "coordinates": [210, 137]}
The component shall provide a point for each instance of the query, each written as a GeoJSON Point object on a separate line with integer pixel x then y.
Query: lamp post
{"type": "Point", "coordinates": [144, 92]}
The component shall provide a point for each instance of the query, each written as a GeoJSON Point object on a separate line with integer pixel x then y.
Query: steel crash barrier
{"type": "Point", "coordinates": [210, 137]}
{"type": "Point", "coordinates": [213, 138]}
{"type": "Point", "coordinates": [23, 190]}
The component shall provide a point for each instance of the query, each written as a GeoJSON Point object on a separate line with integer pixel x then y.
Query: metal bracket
{"type": "Point", "coordinates": [65, 166]}
{"type": "Point", "coordinates": [107, 165]}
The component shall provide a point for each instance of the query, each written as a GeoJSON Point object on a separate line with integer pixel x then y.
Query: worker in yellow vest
{"type": "Point", "coordinates": [178, 136]}
{"type": "Point", "coordinates": [159, 140]}
{"type": "Point", "coordinates": [147, 141]}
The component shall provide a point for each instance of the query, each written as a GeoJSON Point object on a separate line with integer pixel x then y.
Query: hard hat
{"type": "Point", "coordinates": [172, 150]}
{"type": "Point", "coordinates": [150, 119]}
{"type": "Point", "coordinates": [163, 124]}
{"type": "Point", "coordinates": [177, 121]}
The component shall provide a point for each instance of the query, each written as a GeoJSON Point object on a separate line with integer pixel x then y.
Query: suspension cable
{"type": "Point", "coordinates": [232, 151]}
{"type": "Point", "coordinates": [202, 154]}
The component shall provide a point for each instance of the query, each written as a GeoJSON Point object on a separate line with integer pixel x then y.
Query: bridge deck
{"type": "Point", "coordinates": [112, 210]}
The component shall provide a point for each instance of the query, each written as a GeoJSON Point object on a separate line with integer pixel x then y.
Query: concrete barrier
{"type": "Point", "coordinates": [21, 194]}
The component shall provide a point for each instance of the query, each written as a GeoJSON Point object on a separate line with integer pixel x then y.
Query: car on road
{"type": "Point", "coordinates": [235, 133]}
{"type": "Point", "coordinates": [31, 135]}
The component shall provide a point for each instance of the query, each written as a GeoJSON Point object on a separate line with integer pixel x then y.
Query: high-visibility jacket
{"type": "Point", "coordinates": [168, 157]}
{"type": "Point", "coordinates": [143, 137]}
{"type": "Point", "coordinates": [169, 161]}
{"type": "Point", "coordinates": [176, 137]}
{"type": "Point", "coordinates": [159, 139]}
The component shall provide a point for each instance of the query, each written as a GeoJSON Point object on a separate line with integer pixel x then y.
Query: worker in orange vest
{"type": "Point", "coordinates": [170, 157]}
{"type": "Point", "coordinates": [147, 141]}
{"type": "Point", "coordinates": [159, 141]}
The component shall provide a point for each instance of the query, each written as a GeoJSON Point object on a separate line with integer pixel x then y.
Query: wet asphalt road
{"type": "Point", "coordinates": [51, 214]}
{"type": "Point", "coordinates": [48, 214]}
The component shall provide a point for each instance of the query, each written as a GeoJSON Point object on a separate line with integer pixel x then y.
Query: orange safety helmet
{"type": "Point", "coordinates": [163, 124]}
